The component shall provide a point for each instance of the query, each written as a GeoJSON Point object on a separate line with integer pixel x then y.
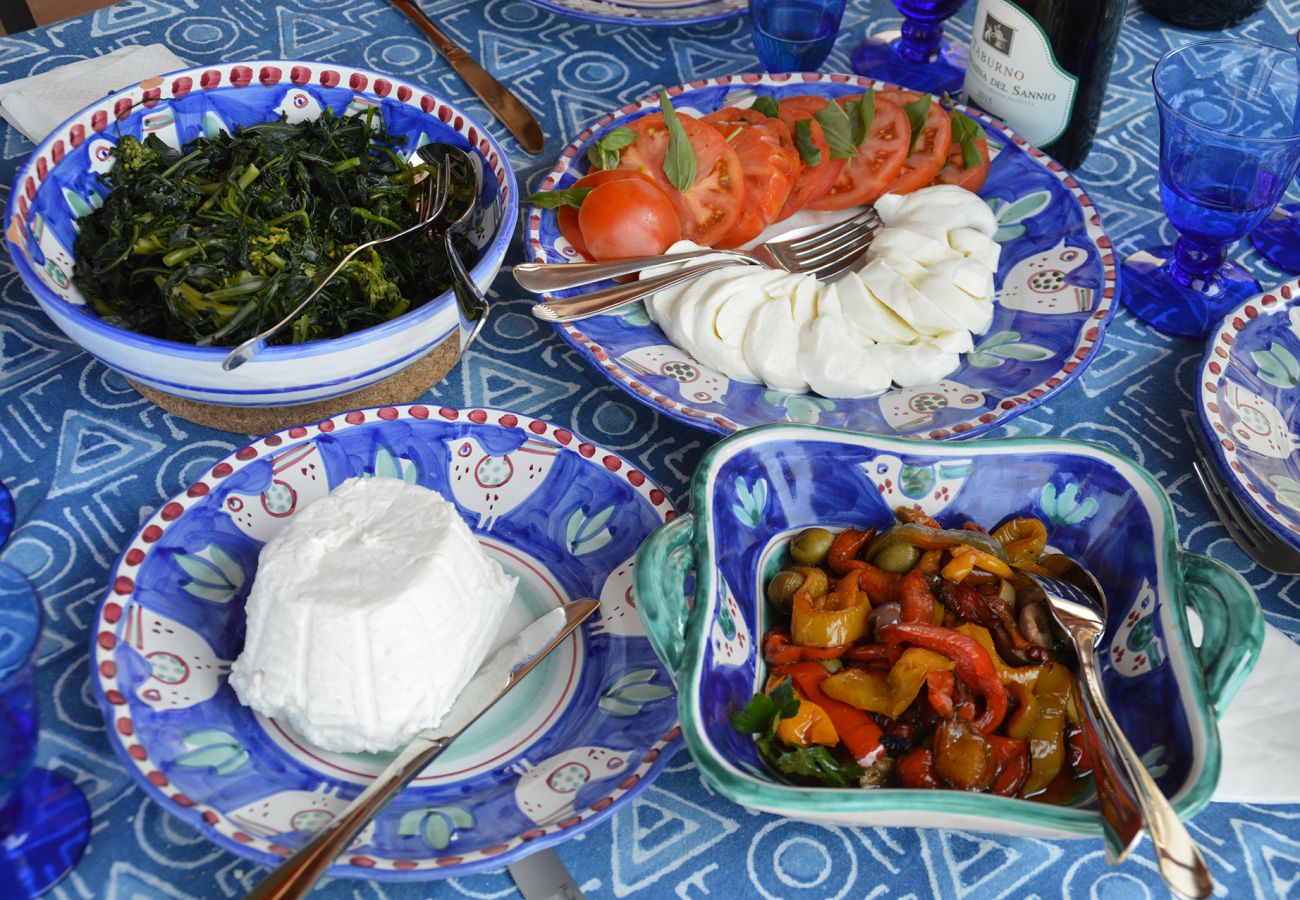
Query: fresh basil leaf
{"type": "Point", "coordinates": [917, 111]}
{"type": "Point", "coordinates": [767, 105]}
{"type": "Point", "coordinates": [815, 763]}
{"type": "Point", "coordinates": [604, 154]}
{"type": "Point", "coordinates": [863, 114]}
{"type": "Point", "coordinates": [679, 162]}
{"type": "Point", "coordinates": [809, 152]}
{"type": "Point", "coordinates": [838, 130]}
{"type": "Point", "coordinates": [757, 717]}
{"type": "Point", "coordinates": [966, 133]}
{"type": "Point", "coordinates": [555, 199]}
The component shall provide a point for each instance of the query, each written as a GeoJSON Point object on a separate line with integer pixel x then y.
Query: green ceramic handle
{"type": "Point", "coordinates": [1233, 625]}
{"type": "Point", "coordinates": [657, 583]}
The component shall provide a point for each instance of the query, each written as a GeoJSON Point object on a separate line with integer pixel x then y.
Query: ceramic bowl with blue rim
{"type": "Point", "coordinates": [587, 730]}
{"type": "Point", "coordinates": [1056, 295]}
{"type": "Point", "coordinates": [62, 180]}
{"type": "Point", "coordinates": [756, 489]}
{"type": "Point", "coordinates": [1248, 405]}
{"type": "Point", "coordinates": [662, 13]}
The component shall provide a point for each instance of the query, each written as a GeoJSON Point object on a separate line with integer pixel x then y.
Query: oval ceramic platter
{"type": "Point", "coordinates": [583, 733]}
{"type": "Point", "coordinates": [662, 13]}
{"type": "Point", "coordinates": [1056, 295]}
{"type": "Point", "coordinates": [1249, 406]}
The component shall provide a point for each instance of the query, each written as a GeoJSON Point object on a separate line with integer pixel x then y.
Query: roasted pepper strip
{"type": "Point", "coordinates": [1026, 675]}
{"type": "Point", "coordinates": [1012, 757]}
{"type": "Point", "coordinates": [779, 650]}
{"type": "Point", "coordinates": [842, 557]}
{"type": "Point", "coordinates": [915, 769]}
{"type": "Point", "coordinates": [1023, 538]}
{"type": "Point", "coordinates": [832, 620]}
{"type": "Point", "coordinates": [940, 687]}
{"type": "Point", "coordinates": [1021, 722]}
{"type": "Point", "coordinates": [933, 538]}
{"type": "Point", "coordinates": [974, 664]}
{"type": "Point", "coordinates": [1047, 736]}
{"type": "Point", "coordinates": [858, 731]}
{"type": "Point", "coordinates": [886, 693]}
{"type": "Point", "coordinates": [917, 598]}
{"type": "Point", "coordinates": [880, 586]}
{"type": "Point", "coordinates": [810, 725]}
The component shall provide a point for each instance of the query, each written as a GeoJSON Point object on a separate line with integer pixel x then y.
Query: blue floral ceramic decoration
{"type": "Point", "coordinates": [662, 13]}
{"type": "Point", "coordinates": [756, 489]}
{"type": "Point", "coordinates": [1249, 406]}
{"type": "Point", "coordinates": [582, 734]}
{"type": "Point", "coordinates": [1056, 292]}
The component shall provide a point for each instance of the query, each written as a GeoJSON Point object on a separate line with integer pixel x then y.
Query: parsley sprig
{"type": "Point", "coordinates": [762, 714]}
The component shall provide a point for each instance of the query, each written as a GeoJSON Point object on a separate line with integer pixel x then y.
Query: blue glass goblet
{"type": "Point", "coordinates": [1229, 146]}
{"type": "Point", "coordinates": [917, 56]}
{"type": "Point", "coordinates": [44, 818]}
{"type": "Point", "coordinates": [794, 35]}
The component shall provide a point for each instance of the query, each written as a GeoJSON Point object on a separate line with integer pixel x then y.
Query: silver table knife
{"type": "Point", "coordinates": [494, 679]}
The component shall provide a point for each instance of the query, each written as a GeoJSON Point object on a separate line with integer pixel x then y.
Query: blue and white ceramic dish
{"type": "Point", "coordinates": [585, 732]}
{"type": "Point", "coordinates": [754, 490]}
{"type": "Point", "coordinates": [62, 181]}
{"type": "Point", "coordinates": [663, 13]}
{"type": "Point", "coordinates": [1056, 296]}
{"type": "Point", "coordinates": [1248, 404]}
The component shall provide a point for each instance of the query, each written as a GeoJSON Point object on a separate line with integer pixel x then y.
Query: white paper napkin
{"type": "Point", "coordinates": [38, 104]}
{"type": "Point", "coordinates": [1261, 729]}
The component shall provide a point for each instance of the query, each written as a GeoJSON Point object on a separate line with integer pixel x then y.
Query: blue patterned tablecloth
{"type": "Point", "coordinates": [89, 460]}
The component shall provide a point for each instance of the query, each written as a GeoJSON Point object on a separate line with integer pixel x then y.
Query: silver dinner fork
{"type": "Point", "coordinates": [823, 252]}
{"type": "Point", "coordinates": [1256, 541]}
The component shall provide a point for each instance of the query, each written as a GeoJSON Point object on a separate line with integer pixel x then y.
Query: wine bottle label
{"type": "Point", "coordinates": [1013, 74]}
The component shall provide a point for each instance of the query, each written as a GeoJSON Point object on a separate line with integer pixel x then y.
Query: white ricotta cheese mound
{"type": "Point", "coordinates": [904, 317]}
{"type": "Point", "coordinates": [371, 610]}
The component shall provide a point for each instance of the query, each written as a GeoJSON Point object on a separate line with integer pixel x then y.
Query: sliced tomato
{"type": "Point", "coordinates": [813, 181]}
{"type": "Point", "coordinates": [955, 172]}
{"type": "Point", "coordinates": [628, 217]}
{"type": "Point", "coordinates": [713, 204]}
{"type": "Point", "coordinates": [880, 158]}
{"type": "Point", "coordinates": [932, 146]}
{"type": "Point", "coordinates": [769, 161]}
{"type": "Point", "coordinates": [567, 217]}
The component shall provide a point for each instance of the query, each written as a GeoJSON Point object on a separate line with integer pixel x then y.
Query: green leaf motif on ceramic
{"type": "Point", "coordinates": [1151, 761]}
{"type": "Point", "coordinates": [625, 697]}
{"type": "Point", "coordinates": [916, 481]}
{"type": "Point", "coordinates": [1288, 490]}
{"type": "Point", "coordinates": [214, 575]}
{"type": "Point", "coordinates": [1011, 215]}
{"type": "Point", "coordinates": [387, 465]}
{"type": "Point", "coordinates": [749, 511]}
{"type": "Point", "coordinates": [800, 408]}
{"type": "Point", "coordinates": [587, 534]}
{"type": "Point", "coordinates": [634, 314]}
{"type": "Point", "coordinates": [438, 824]}
{"type": "Point", "coordinates": [1064, 508]}
{"type": "Point", "coordinates": [1277, 365]}
{"type": "Point", "coordinates": [1000, 346]}
{"type": "Point", "coordinates": [213, 749]}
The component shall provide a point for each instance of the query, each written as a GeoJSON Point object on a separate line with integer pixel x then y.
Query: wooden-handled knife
{"type": "Point", "coordinates": [504, 105]}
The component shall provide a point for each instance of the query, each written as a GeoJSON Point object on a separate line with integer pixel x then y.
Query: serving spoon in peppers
{"type": "Point", "coordinates": [1078, 604]}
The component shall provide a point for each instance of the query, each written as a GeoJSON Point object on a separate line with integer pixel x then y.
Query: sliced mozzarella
{"type": "Point", "coordinates": [719, 341]}
{"type": "Point", "coordinates": [772, 347]}
{"type": "Point", "coordinates": [946, 205]}
{"type": "Point", "coordinates": [977, 246]}
{"type": "Point", "coordinates": [863, 309]}
{"type": "Point", "coordinates": [911, 305]}
{"type": "Point", "coordinates": [925, 249]}
{"type": "Point", "coordinates": [912, 365]}
{"type": "Point", "coordinates": [839, 360]}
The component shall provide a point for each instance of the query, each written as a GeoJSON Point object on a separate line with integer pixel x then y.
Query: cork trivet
{"type": "Point", "coordinates": [400, 387]}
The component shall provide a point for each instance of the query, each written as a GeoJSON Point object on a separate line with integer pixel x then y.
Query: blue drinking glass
{"type": "Point", "coordinates": [1229, 146]}
{"type": "Point", "coordinates": [44, 817]}
{"type": "Point", "coordinates": [794, 35]}
{"type": "Point", "coordinates": [917, 55]}
{"type": "Point", "coordinates": [1278, 238]}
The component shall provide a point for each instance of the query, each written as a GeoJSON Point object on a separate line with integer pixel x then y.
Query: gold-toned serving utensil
{"type": "Point", "coordinates": [496, 96]}
{"type": "Point", "coordinates": [1078, 604]}
{"type": "Point", "coordinates": [503, 670]}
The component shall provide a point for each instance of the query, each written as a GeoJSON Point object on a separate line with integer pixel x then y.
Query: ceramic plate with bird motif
{"type": "Point", "coordinates": [581, 735]}
{"type": "Point", "coordinates": [1056, 295]}
{"type": "Point", "coordinates": [1248, 401]}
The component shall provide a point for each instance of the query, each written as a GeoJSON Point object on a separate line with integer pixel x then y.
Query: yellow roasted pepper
{"type": "Point", "coordinates": [887, 693]}
{"type": "Point", "coordinates": [1026, 675]}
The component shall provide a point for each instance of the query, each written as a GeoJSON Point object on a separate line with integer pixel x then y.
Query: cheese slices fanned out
{"type": "Point", "coordinates": [905, 317]}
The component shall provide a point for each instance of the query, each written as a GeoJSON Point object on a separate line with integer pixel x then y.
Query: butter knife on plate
{"type": "Point", "coordinates": [494, 679]}
{"type": "Point", "coordinates": [497, 97]}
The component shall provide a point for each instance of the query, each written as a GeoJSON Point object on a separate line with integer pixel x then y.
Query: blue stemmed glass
{"type": "Point", "coordinates": [1278, 237]}
{"type": "Point", "coordinates": [1229, 146]}
{"type": "Point", "coordinates": [44, 817]}
{"type": "Point", "coordinates": [794, 35]}
{"type": "Point", "coordinates": [917, 56]}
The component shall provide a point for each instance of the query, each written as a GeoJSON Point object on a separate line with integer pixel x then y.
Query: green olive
{"type": "Point", "coordinates": [898, 558]}
{"type": "Point", "coordinates": [780, 590]}
{"type": "Point", "coordinates": [810, 546]}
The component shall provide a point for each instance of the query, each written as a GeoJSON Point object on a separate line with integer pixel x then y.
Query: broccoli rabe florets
{"type": "Point", "coordinates": [133, 158]}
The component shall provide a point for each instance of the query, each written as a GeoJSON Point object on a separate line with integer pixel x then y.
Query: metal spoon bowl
{"type": "Point", "coordinates": [1078, 604]}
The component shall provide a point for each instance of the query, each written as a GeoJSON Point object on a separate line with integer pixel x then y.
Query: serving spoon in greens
{"type": "Point", "coordinates": [462, 200]}
{"type": "Point", "coordinates": [432, 200]}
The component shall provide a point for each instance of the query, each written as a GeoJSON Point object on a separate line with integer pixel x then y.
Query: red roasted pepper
{"type": "Point", "coordinates": [879, 585]}
{"type": "Point", "coordinates": [1012, 758]}
{"type": "Point", "coordinates": [918, 599]}
{"type": "Point", "coordinates": [858, 731]}
{"type": "Point", "coordinates": [842, 557]}
{"type": "Point", "coordinates": [940, 685]}
{"type": "Point", "coordinates": [974, 665]}
{"type": "Point", "coordinates": [915, 769]}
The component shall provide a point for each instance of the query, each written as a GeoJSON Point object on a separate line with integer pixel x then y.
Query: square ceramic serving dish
{"type": "Point", "coordinates": [752, 491]}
